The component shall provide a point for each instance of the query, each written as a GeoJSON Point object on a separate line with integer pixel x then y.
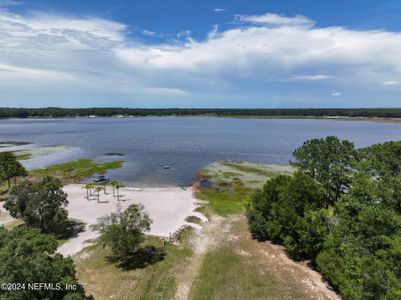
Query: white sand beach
{"type": "Point", "coordinates": [167, 207]}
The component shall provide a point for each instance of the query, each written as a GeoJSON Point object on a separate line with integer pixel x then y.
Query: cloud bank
{"type": "Point", "coordinates": [46, 53]}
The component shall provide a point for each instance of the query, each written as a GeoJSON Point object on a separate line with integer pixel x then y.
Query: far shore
{"type": "Point", "coordinates": [336, 118]}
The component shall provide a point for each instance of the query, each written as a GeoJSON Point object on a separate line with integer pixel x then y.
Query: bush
{"type": "Point", "coordinates": [124, 230]}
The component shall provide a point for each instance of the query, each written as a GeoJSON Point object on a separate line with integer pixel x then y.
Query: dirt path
{"type": "Point", "coordinates": [206, 238]}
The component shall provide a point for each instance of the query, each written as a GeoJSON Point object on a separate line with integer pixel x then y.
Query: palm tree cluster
{"type": "Point", "coordinates": [93, 189]}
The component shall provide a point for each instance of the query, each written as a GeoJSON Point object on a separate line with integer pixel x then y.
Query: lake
{"type": "Point", "coordinates": [185, 143]}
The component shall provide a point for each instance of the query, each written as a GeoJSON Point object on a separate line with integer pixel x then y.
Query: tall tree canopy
{"type": "Point", "coordinates": [40, 205]}
{"type": "Point", "coordinates": [354, 239]}
{"type": "Point", "coordinates": [27, 256]}
{"type": "Point", "coordinates": [330, 162]}
{"type": "Point", "coordinates": [10, 167]}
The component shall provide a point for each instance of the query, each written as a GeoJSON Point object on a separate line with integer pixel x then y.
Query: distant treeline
{"type": "Point", "coordinates": [56, 112]}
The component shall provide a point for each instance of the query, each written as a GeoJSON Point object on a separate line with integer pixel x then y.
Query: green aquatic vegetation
{"type": "Point", "coordinates": [77, 170]}
{"type": "Point", "coordinates": [231, 174]}
{"type": "Point", "coordinates": [232, 183]}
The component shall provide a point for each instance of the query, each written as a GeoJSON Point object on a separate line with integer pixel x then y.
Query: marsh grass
{"type": "Point", "coordinates": [232, 183]}
{"type": "Point", "coordinates": [77, 170]}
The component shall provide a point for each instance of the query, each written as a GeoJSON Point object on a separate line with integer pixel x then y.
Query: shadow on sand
{"type": "Point", "coordinates": [141, 258]}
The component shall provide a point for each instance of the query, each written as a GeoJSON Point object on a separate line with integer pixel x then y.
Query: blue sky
{"type": "Point", "coordinates": [282, 53]}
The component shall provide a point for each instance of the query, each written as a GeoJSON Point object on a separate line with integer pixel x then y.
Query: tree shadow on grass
{"type": "Point", "coordinates": [141, 258]}
{"type": "Point", "coordinates": [71, 229]}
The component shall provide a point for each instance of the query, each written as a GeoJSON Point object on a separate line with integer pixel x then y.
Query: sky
{"type": "Point", "coordinates": [176, 53]}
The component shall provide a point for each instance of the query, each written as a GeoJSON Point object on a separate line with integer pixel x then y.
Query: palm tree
{"type": "Point", "coordinates": [113, 184]}
{"type": "Point", "coordinates": [87, 187]}
{"type": "Point", "coordinates": [98, 188]}
{"type": "Point", "coordinates": [118, 186]}
{"type": "Point", "coordinates": [91, 186]}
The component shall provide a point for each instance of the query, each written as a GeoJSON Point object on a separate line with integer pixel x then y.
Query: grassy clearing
{"type": "Point", "coordinates": [238, 269]}
{"type": "Point", "coordinates": [224, 202]}
{"type": "Point", "coordinates": [77, 170]}
{"type": "Point", "coordinates": [143, 276]}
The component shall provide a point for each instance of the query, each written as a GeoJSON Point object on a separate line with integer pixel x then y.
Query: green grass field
{"type": "Point", "coordinates": [224, 202]}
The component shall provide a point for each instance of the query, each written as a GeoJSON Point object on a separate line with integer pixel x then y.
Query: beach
{"type": "Point", "coordinates": [168, 207]}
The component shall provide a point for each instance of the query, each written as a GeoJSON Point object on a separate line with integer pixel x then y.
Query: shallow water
{"type": "Point", "coordinates": [186, 144]}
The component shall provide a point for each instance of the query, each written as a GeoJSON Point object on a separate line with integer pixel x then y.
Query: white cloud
{"type": "Point", "coordinates": [219, 9]}
{"type": "Point", "coordinates": [183, 34]}
{"type": "Point", "coordinates": [335, 94]}
{"type": "Point", "coordinates": [212, 34]}
{"type": "Point", "coordinates": [317, 77]}
{"type": "Point", "coordinates": [96, 54]}
{"type": "Point", "coordinates": [276, 20]}
{"type": "Point", "coordinates": [148, 33]}
{"type": "Point", "coordinates": [164, 91]}
{"type": "Point", "coordinates": [391, 82]}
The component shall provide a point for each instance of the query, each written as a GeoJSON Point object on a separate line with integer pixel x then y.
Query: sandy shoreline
{"type": "Point", "coordinates": [167, 207]}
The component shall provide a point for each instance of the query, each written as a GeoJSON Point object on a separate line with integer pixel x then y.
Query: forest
{"type": "Point", "coordinates": [341, 210]}
{"type": "Point", "coordinates": [57, 112]}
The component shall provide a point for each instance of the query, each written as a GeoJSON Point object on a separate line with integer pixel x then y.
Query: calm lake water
{"type": "Point", "coordinates": [186, 144]}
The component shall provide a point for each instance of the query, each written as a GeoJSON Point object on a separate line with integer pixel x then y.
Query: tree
{"type": "Point", "coordinates": [27, 256]}
{"type": "Point", "coordinates": [354, 239]}
{"type": "Point", "coordinates": [382, 159]}
{"type": "Point", "coordinates": [98, 189]}
{"type": "Point", "coordinates": [330, 162]}
{"type": "Point", "coordinates": [10, 167]}
{"type": "Point", "coordinates": [278, 210]}
{"type": "Point", "coordinates": [258, 210]}
{"type": "Point", "coordinates": [87, 188]}
{"type": "Point", "coordinates": [113, 184]}
{"type": "Point", "coordinates": [124, 230]}
{"type": "Point", "coordinates": [40, 205]}
{"type": "Point", "coordinates": [118, 186]}
{"type": "Point", "coordinates": [91, 186]}
{"type": "Point", "coordinates": [364, 246]}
